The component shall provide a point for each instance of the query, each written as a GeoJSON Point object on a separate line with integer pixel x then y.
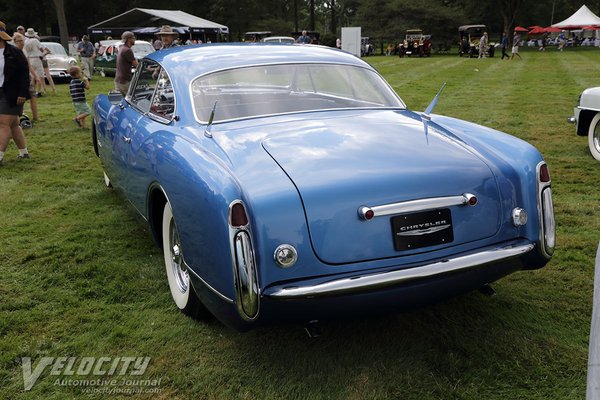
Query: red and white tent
{"type": "Point", "coordinates": [582, 17]}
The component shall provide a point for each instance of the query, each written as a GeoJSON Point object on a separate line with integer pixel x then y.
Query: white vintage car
{"type": "Point", "coordinates": [59, 62]}
{"type": "Point", "coordinates": [587, 118]}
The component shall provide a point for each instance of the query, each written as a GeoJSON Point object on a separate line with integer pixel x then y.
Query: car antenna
{"type": "Point", "coordinates": [207, 132]}
{"type": "Point", "coordinates": [426, 115]}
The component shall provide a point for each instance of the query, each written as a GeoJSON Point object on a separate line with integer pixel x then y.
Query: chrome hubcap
{"type": "Point", "coordinates": [596, 137]}
{"type": "Point", "coordinates": [178, 266]}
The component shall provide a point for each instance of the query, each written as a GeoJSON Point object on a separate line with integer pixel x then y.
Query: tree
{"type": "Point", "coordinates": [509, 10]}
{"type": "Point", "coordinates": [62, 23]}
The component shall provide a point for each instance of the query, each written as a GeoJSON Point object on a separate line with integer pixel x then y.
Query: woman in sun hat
{"type": "Point", "coordinates": [33, 51]}
{"type": "Point", "coordinates": [14, 91]}
{"type": "Point", "coordinates": [167, 36]}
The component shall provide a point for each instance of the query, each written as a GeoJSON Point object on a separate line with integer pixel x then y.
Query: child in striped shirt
{"type": "Point", "coordinates": [79, 84]}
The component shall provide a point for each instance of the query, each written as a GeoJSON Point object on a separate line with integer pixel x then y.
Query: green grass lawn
{"type": "Point", "coordinates": [81, 276]}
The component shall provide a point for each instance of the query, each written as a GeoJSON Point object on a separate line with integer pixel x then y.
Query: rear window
{"type": "Point", "coordinates": [277, 89]}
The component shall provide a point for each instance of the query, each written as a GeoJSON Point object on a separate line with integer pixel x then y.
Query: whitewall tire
{"type": "Point", "coordinates": [594, 137]}
{"type": "Point", "coordinates": [178, 276]}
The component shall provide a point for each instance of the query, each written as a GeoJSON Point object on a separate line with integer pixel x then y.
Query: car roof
{"type": "Point", "coordinates": [107, 43]}
{"type": "Point", "coordinates": [195, 60]}
{"type": "Point", "coordinates": [466, 27]}
{"type": "Point", "coordinates": [52, 43]}
{"type": "Point", "coordinates": [275, 38]}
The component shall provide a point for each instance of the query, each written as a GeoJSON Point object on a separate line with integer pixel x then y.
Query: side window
{"type": "Point", "coordinates": [163, 103]}
{"type": "Point", "coordinates": [140, 95]}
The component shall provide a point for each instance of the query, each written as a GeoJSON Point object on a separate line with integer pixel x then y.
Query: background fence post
{"type": "Point", "coordinates": [593, 378]}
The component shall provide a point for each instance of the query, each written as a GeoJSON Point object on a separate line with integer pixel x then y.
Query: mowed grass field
{"type": "Point", "coordinates": [81, 277]}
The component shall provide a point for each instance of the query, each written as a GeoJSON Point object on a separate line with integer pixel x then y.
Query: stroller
{"type": "Point", "coordinates": [25, 121]}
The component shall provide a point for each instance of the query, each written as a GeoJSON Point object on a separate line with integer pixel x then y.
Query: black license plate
{"type": "Point", "coordinates": [422, 229]}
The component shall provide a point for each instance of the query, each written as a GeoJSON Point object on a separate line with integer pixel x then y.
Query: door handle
{"type": "Point", "coordinates": [127, 139]}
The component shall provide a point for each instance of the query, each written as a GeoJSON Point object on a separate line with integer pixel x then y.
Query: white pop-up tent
{"type": "Point", "coordinates": [582, 17]}
{"type": "Point", "coordinates": [148, 21]}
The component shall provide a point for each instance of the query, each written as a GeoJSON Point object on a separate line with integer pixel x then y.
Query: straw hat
{"type": "Point", "coordinates": [166, 30]}
{"type": "Point", "coordinates": [31, 33]}
{"type": "Point", "coordinates": [3, 35]}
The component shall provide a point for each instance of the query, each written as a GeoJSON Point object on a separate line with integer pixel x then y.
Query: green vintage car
{"type": "Point", "coordinates": [106, 61]}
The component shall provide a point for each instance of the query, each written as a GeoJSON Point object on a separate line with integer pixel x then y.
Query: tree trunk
{"type": "Point", "coordinates": [509, 10]}
{"type": "Point", "coordinates": [62, 23]}
{"type": "Point", "coordinates": [312, 15]}
{"type": "Point", "coordinates": [333, 18]}
{"type": "Point", "coordinates": [295, 15]}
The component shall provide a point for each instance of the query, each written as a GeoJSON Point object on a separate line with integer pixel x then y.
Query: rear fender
{"type": "Point", "coordinates": [584, 120]}
{"type": "Point", "coordinates": [200, 190]}
{"type": "Point", "coordinates": [514, 162]}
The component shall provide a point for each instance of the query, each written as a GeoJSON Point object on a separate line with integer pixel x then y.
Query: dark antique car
{"type": "Point", "coordinates": [256, 36]}
{"type": "Point", "coordinates": [470, 35]}
{"type": "Point", "coordinates": [290, 182]}
{"type": "Point", "coordinates": [415, 44]}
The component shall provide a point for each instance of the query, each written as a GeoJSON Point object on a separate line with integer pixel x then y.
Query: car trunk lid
{"type": "Point", "coordinates": [341, 164]}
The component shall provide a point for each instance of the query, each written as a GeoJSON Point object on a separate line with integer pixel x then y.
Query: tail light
{"type": "Point", "coordinates": [546, 210]}
{"type": "Point", "coordinates": [238, 216]}
{"type": "Point", "coordinates": [244, 262]}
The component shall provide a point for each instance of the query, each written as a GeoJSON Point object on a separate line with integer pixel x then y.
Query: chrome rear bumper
{"type": "Point", "coordinates": [359, 284]}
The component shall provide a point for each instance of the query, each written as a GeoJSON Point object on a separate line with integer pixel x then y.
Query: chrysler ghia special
{"type": "Point", "coordinates": [290, 182]}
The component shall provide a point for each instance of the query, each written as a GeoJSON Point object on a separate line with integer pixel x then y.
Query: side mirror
{"type": "Point", "coordinates": [115, 97]}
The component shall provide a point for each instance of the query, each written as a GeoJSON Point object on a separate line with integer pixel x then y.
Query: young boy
{"type": "Point", "coordinates": [79, 84]}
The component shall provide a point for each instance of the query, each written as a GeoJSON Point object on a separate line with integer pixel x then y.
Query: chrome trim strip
{"type": "Point", "coordinates": [588, 108]}
{"type": "Point", "coordinates": [215, 291]}
{"type": "Point", "coordinates": [415, 205]}
{"type": "Point", "coordinates": [363, 283]}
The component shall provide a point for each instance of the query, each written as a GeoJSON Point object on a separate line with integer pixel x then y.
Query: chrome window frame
{"type": "Point", "coordinates": [148, 113]}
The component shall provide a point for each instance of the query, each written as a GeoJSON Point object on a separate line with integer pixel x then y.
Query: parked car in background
{"type": "Point", "coordinates": [469, 36]}
{"type": "Point", "coordinates": [289, 182]}
{"type": "Point", "coordinates": [106, 61]}
{"type": "Point", "coordinates": [279, 39]}
{"type": "Point", "coordinates": [415, 44]}
{"type": "Point", "coordinates": [256, 36]}
{"type": "Point", "coordinates": [586, 116]}
{"type": "Point", "coordinates": [59, 61]}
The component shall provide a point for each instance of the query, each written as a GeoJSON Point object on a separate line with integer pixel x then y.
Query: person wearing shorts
{"type": "Point", "coordinates": [33, 52]}
{"type": "Point", "coordinates": [79, 84]}
{"type": "Point", "coordinates": [515, 46]}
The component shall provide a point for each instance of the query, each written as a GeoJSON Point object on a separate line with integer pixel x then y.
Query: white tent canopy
{"type": "Point", "coordinates": [150, 18]}
{"type": "Point", "coordinates": [582, 17]}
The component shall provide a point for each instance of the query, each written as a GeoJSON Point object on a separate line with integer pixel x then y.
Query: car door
{"type": "Point", "coordinates": [125, 123]}
{"type": "Point", "coordinates": [149, 129]}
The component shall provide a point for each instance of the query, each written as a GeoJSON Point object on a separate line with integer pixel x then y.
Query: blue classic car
{"type": "Point", "coordinates": [291, 183]}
